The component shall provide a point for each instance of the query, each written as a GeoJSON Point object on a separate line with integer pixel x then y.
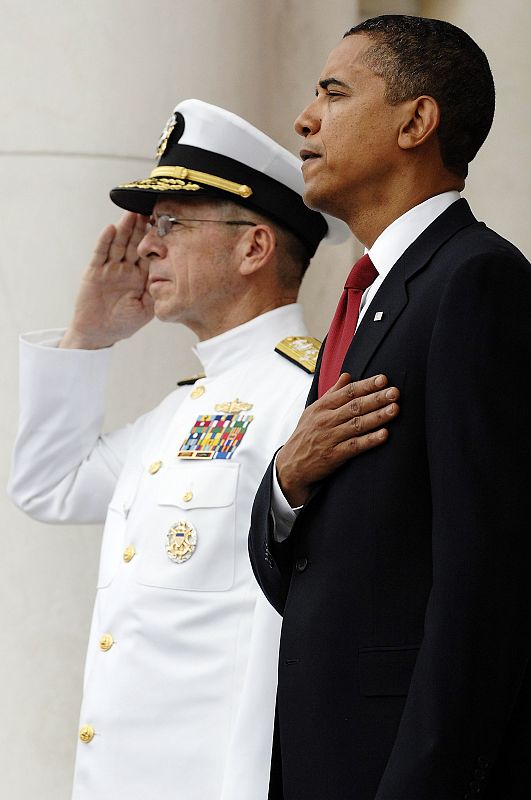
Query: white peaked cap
{"type": "Point", "coordinates": [205, 150]}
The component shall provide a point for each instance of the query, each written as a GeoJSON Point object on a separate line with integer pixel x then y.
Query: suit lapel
{"type": "Point", "coordinates": [392, 297]}
{"type": "Point", "coordinates": [314, 388]}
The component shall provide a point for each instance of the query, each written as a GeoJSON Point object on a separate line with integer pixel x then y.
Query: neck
{"type": "Point", "coordinates": [369, 216]}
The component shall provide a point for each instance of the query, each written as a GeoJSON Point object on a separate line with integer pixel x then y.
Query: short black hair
{"type": "Point", "coordinates": [418, 56]}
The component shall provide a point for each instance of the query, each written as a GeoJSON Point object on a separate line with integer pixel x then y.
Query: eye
{"type": "Point", "coordinates": [167, 223]}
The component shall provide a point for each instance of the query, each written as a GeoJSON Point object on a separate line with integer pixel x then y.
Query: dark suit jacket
{"type": "Point", "coordinates": [405, 585]}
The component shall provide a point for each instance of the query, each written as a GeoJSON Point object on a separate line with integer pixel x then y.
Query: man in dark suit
{"type": "Point", "coordinates": [405, 579]}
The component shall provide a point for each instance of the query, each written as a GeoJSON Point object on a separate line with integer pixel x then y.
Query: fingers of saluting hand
{"type": "Point", "coordinates": [124, 231]}
{"type": "Point", "coordinates": [101, 251]}
{"type": "Point", "coordinates": [136, 237]}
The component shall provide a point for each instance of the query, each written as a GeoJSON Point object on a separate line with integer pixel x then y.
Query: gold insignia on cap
{"type": "Point", "coordinates": [185, 174]}
{"type": "Point", "coordinates": [165, 135]}
{"type": "Point", "coordinates": [181, 541]}
{"type": "Point", "coordinates": [300, 350]}
{"type": "Point", "coordinates": [161, 185]}
{"type": "Point", "coordinates": [176, 179]}
{"type": "Point", "coordinates": [234, 407]}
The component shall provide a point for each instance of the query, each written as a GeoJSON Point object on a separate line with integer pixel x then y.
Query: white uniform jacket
{"type": "Point", "coordinates": [180, 675]}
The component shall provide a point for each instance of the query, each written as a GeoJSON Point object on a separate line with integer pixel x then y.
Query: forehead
{"type": "Point", "coordinates": [345, 60]}
{"type": "Point", "coordinates": [191, 207]}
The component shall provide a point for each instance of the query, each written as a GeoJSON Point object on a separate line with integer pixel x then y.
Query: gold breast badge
{"type": "Point", "coordinates": [181, 541]}
{"type": "Point", "coordinates": [233, 407]}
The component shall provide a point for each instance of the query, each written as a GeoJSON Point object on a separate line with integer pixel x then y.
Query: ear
{"type": "Point", "coordinates": [258, 246]}
{"type": "Point", "coordinates": [423, 117]}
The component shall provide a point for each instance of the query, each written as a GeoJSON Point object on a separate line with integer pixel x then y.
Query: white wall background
{"type": "Point", "coordinates": [85, 89]}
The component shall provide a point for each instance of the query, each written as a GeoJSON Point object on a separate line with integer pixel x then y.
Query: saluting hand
{"type": "Point", "coordinates": [347, 420]}
{"type": "Point", "coordinates": [112, 302]}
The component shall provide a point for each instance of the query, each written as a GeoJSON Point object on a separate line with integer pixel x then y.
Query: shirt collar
{"type": "Point", "coordinates": [252, 339]}
{"type": "Point", "coordinates": [401, 233]}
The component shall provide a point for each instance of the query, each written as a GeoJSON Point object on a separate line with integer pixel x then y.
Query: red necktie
{"type": "Point", "coordinates": [344, 323]}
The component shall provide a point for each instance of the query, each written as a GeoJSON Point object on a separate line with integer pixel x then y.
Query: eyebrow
{"type": "Point", "coordinates": [326, 82]}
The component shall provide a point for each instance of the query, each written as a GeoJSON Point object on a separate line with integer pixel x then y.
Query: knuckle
{"type": "Point", "coordinates": [356, 406]}
{"type": "Point", "coordinates": [357, 424]}
{"type": "Point", "coordinates": [355, 446]}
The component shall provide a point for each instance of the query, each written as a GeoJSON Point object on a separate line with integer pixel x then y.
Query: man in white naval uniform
{"type": "Point", "coordinates": [180, 673]}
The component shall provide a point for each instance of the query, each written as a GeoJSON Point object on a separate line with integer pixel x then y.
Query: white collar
{"type": "Point", "coordinates": [252, 339]}
{"type": "Point", "coordinates": [401, 233]}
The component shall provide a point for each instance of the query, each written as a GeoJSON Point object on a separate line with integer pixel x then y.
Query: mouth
{"type": "Point", "coordinates": [307, 155]}
{"type": "Point", "coordinates": [155, 279]}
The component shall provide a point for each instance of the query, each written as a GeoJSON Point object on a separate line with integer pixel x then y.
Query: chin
{"type": "Point", "coordinates": [321, 198]}
{"type": "Point", "coordinates": [164, 314]}
{"type": "Point", "coordinates": [312, 197]}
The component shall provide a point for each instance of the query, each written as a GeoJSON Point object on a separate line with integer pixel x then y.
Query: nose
{"type": "Point", "coordinates": [152, 245]}
{"type": "Point", "coordinates": [308, 121]}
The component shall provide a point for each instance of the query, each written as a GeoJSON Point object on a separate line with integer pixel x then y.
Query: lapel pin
{"type": "Point", "coordinates": [378, 316]}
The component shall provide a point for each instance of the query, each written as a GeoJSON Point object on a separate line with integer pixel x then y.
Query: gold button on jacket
{"type": "Point", "coordinates": [86, 733]}
{"type": "Point", "coordinates": [129, 553]}
{"type": "Point", "coordinates": [197, 392]}
{"type": "Point", "coordinates": [106, 642]}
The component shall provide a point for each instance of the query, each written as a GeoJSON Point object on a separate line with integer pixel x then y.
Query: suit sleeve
{"type": "Point", "coordinates": [270, 560]}
{"type": "Point", "coordinates": [63, 468]}
{"type": "Point", "coordinates": [476, 646]}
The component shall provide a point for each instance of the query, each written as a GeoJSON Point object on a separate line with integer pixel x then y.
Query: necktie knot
{"type": "Point", "coordinates": [362, 274]}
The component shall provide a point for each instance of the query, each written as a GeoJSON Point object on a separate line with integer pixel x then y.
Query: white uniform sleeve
{"type": "Point", "coordinates": [63, 469]}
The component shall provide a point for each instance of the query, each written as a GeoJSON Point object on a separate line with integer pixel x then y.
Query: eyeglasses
{"type": "Point", "coordinates": [164, 224]}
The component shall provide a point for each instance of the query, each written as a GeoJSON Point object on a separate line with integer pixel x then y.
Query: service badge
{"type": "Point", "coordinates": [181, 541]}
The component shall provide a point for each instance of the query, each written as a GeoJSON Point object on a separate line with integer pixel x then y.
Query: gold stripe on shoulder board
{"type": "Point", "coordinates": [300, 350]}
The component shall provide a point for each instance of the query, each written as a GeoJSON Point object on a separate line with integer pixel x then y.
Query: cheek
{"type": "Point", "coordinates": [339, 139]}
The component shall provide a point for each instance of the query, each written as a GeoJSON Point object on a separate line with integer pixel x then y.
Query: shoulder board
{"type": "Point", "coordinates": [300, 350]}
{"type": "Point", "coordinates": [191, 380]}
